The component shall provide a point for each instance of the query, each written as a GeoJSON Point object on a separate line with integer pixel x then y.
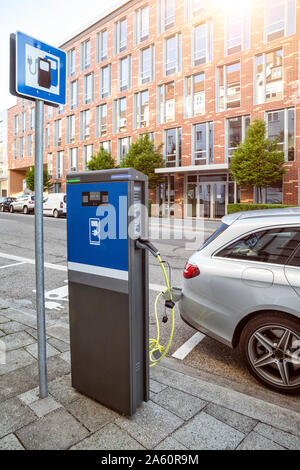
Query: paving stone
{"type": "Point", "coordinates": [10, 442]}
{"type": "Point", "coordinates": [2, 334]}
{"type": "Point", "coordinates": [91, 414]}
{"type": "Point", "coordinates": [33, 350]}
{"type": "Point", "coordinates": [56, 431]}
{"type": "Point", "coordinates": [255, 441]}
{"type": "Point", "coordinates": [156, 387]}
{"type": "Point", "coordinates": [59, 345]}
{"type": "Point", "coordinates": [240, 422]}
{"type": "Point", "coordinates": [15, 360]}
{"type": "Point", "coordinates": [150, 425]}
{"type": "Point", "coordinates": [110, 437]}
{"type": "Point", "coordinates": [59, 332]}
{"type": "Point", "coordinates": [204, 432]}
{"type": "Point", "coordinates": [3, 319]}
{"type": "Point", "coordinates": [16, 382]}
{"type": "Point", "coordinates": [61, 389]}
{"type": "Point", "coordinates": [14, 415]}
{"type": "Point", "coordinates": [12, 327]}
{"type": "Point", "coordinates": [22, 317]}
{"type": "Point", "coordinates": [17, 340]}
{"type": "Point", "coordinates": [41, 407]}
{"type": "Point", "coordinates": [170, 444]}
{"type": "Point", "coordinates": [33, 332]}
{"type": "Point", "coordinates": [181, 404]}
{"type": "Point", "coordinates": [285, 439]}
{"type": "Point", "coordinates": [66, 356]}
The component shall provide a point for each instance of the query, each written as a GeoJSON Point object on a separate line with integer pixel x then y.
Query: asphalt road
{"type": "Point", "coordinates": [209, 358]}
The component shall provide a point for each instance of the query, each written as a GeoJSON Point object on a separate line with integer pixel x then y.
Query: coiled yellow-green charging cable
{"type": "Point", "coordinates": [154, 343]}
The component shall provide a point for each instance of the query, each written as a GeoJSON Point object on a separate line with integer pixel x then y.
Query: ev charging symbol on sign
{"type": "Point", "coordinates": [95, 234]}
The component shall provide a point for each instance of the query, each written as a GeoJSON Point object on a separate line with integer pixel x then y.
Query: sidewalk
{"type": "Point", "coordinates": [185, 412]}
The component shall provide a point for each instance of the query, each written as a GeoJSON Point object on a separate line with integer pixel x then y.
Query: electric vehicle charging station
{"type": "Point", "coordinates": [109, 287]}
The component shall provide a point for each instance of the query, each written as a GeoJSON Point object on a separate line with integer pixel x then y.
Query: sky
{"type": "Point", "coordinates": [51, 21]}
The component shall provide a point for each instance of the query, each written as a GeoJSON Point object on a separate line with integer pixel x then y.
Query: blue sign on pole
{"type": "Point", "coordinates": [41, 71]}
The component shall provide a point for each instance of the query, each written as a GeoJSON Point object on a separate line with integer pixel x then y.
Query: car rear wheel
{"type": "Point", "coordinates": [55, 214]}
{"type": "Point", "coordinates": [11, 209]}
{"type": "Point", "coordinates": [2, 209]}
{"type": "Point", "coordinates": [270, 346]}
{"type": "Point", "coordinates": [25, 210]}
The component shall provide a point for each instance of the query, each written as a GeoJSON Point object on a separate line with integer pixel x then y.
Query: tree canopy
{"type": "Point", "coordinates": [47, 180]}
{"type": "Point", "coordinates": [102, 161]}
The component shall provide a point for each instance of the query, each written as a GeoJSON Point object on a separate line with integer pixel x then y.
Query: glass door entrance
{"type": "Point", "coordinates": [206, 200]}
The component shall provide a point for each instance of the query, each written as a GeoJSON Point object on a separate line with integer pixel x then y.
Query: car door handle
{"type": "Point", "coordinates": [258, 277]}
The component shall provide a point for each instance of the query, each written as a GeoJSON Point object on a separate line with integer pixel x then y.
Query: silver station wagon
{"type": "Point", "coordinates": [243, 288]}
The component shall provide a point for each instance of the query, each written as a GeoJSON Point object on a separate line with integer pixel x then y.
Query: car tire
{"type": "Point", "coordinates": [11, 209]}
{"type": "Point", "coordinates": [25, 210]}
{"type": "Point", "coordinates": [55, 214]}
{"type": "Point", "coordinates": [270, 347]}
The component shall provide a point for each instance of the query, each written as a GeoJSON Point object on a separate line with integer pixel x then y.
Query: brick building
{"type": "Point", "coordinates": [193, 74]}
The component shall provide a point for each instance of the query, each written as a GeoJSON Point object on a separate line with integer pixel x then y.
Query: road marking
{"type": "Point", "coordinates": [187, 347]}
{"type": "Point", "coordinates": [11, 265]}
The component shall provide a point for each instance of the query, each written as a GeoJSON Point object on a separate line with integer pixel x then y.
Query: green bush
{"type": "Point", "coordinates": [233, 208]}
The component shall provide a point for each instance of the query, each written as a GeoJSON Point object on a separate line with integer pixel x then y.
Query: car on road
{"type": "Point", "coordinates": [55, 205]}
{"type": "Point", "coordinates": [23, 204]}
{"type": "Point", "coordinates": [243, 288]}
{"type": "Point", "coordinates": [5, 203]}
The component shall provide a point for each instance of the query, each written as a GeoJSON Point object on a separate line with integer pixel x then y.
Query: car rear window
{"type": "Point", "coordinates": [218, 232]}
{"type": "Point", "coordinates": [33, 198]}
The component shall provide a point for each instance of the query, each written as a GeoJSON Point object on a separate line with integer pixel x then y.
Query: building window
{"type": "Point", "coordinates": [120, 120]}
{"type": "Point", "coordinates": [50, 165]}
{"type": "Point", "coordinates": [166, 103]}
{"type": "Point", "coordinates": [195, 95]}
{"type": "Point", "coordinates": [21, 147]}
{"type": "Point", "coordinates": [60, 109]}
{"type": "Point", "coordinates": [23, 122]}
{"type": "Point", "coordinates": [280, 18]}
{"type": "Point", "coordinates": [29, 145]}
{"type": "Point", "coordinates": [60, 164]}
{"type": "Point", "coordinates": [101, 120]}
{"type": "Point", "coordinates": [31, 119]}
{"type": "Point", "coordinates": [57, 133]}
{"type": "Point", "coordinates": [172, 147]}
{"type": "Point", "coordinates": [47, 136]}
{"type": "Point", "coordinates": [229, 86]}
{"type": "Point", "coordinates": [88, 152]}
{"type": "Point", "coordinates": [73, 159]}
{"type": "Point", "coordinates": [74, 94]}
{"type": "Point", "coordinates": [16, 124]}
{"type": "Point", "coordinates": [50, 112]}
{"type": "Point", "coordinates": [151, 136]}
{"type": "Point", "coordinates": [85, 124]}
{"type": "Point", "coordinates": [102, 46]}
{"type": "Point", "coordinates": [125, 73]}
{"type": "Point", "coordinates": [203, 143]}
{"type": "Point", "coordinates": [123, 147]}
{"type": "Point", "coordinates": [281, 127]}
{"type": "Point", "coordinates": [166, 15]}
{"type": "Point", "coordinates": [269, 195]}
{"type": "Point", "coordinates": [85, 50]}
{"type": "Point", "coordinates": [120, 36]}
{"type": "Point", "coordinates": [88, 88]}
{"type": "Point", "coordinates": [106, 146]}
{"type": "Point", "coordinates": [15, 149]}
{"type": "Point", "coordinates": [71, 63]}
{"type": "Point", "coordinates": [202, 43]}
{"type": "Point", "coordinates": [269, 77]}
{"type": "Point", "coordinates": [105, 81]}
{"type": "Point", "coordinates": [141, 24]}
{"type": "Point", "coordinates": [172, 52]}
{"type": "Point", "coordinates": [70, 130]}
{"type": "Point", "coordinates": [236, 130]}
{"type": "Point", "coordinates": [141, 109]}
{"type": "Point", "coordinates": [147, 64]}
{"type": "Point", "coordinates": [237, 32]}
{"type": "Point", "coordinates": [194, 8]}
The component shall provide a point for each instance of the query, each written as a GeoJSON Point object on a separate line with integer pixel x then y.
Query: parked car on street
{"type": "Point", "coordinates": [5, 203]}
{"type": "Point", "coordinates": [23, 204]}
{"type": "Point", "coordinates": [55, 205]}
{"type": "Point", "coordinates": [243, 288]}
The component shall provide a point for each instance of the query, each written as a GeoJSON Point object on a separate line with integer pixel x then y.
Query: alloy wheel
{"type": "Point", "coordinates": [274, 353]}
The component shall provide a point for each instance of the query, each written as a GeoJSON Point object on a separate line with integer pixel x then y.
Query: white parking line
{"type": "Point", "coordinates": [11, 265]}
{"type": "Point", "coordinates": [187, 347]}
{"type": "Point", "coordinates": [57, 267]}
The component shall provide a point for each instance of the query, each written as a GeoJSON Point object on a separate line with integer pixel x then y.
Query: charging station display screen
{"type": "Point", "coordinates": [95, 198]}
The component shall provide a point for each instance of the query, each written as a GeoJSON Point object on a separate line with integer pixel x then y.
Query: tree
{"type": "Point", "coordinates": [144, 157]}
{"type": "Point", "coordinates": [101, 161]}
{"type": "Point", "coordinates": [257, 161]}
{"type": "Point", "coordinates": [47, 180]}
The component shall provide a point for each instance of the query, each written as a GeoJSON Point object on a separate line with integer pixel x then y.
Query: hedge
{"type": "Point", "coordinates": [150, 207]}
{"type": "Point", "coordinates": [233, 208]}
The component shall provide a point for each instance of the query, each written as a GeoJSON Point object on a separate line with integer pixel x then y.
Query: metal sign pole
{"type": "Point", "coordinates": [39, 246]}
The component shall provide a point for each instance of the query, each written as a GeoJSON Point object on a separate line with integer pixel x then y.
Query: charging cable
{"type": "Point", "coordinates": [30, 62]}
